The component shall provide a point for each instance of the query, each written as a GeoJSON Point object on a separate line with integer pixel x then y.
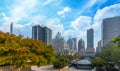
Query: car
{"type": "Point", "coordinates": [84, 64]}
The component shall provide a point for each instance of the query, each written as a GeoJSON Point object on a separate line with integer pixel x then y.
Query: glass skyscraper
{"type": "Point", "coordinates": [110, 29]}
{"type": "Point", "coordinates": [81, 45]}
{"type": "Point", "coordinates": [90, 38]}
{"type": "Point", "coordinates": [42, 33]}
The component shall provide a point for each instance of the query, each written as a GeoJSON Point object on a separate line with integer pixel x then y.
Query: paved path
{"type": "Point", "coordinates": [74, 69]}
{"type": "Point", "coordinates": [50, 68]}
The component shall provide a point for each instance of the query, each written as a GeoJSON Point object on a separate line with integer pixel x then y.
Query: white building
{"type": "Point", "coordinates": [71, 44]}
{"type": "Point", "coordinates": [60, 44]}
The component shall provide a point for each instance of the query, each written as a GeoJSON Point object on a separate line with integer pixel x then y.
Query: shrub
{"type": "Point", "coordinates": [60, 62]}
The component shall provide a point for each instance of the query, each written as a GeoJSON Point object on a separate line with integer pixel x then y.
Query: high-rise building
{"type": "Point", "coordinates": [90, 51]}
{"type": "Point", "coordinates": [60, 44]}
{"type": "Point", "coordinates": [81, 45]}
{"type": "Point", "coordinates": [99, 48]}
{"type": "Point", "coordinates": [71, 43]}
{"type": "Point", "coordinates": [90, 38]}
{"type": "Point", "coordinates": [11, 28]}
{"type": "Point", "coordinates": [110, 29]}
{"type": "Point", "coordinates": [75, 43]}
{"type": "Point", "coordinates": [42, 33]}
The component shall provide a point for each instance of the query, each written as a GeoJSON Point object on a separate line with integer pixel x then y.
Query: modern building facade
{"type": "Point", "coordinates": [42, 33]}
{"type": "Point", "coordinates": [90, 51]}
{"type": "Point", "coordinates": [71, 43]}
{"type": "Point", "coordinates": [99, 47]}
{"type": "Point", "coordinates": [75, 43]}
{"type": "Point", "coordinates": [110, 29]}
{"type": "Point", "coordinates": [90, 38]}
{"type": "Point", "coordinates": [60, 44]}
{"type": "Point", "coordinates": [81, 45]}
{"type": "Point", "coordinates": [11, 28]}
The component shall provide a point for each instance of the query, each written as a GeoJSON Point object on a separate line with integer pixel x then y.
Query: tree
{"type": "Point", "coordinates": [22, 52]}
{"type": "Point", "coordinates": [112, 52]}
{"type": "Point", "coordinates": [98, 62]}
{"type": "Point", "coordinates": [116, 41]}
{"type": "Point", "coordinates": [60, 62]}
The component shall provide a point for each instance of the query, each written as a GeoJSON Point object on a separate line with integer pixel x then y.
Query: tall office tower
{"type": "Point", "coordinates": [59, 44]}
{"type": "Point", "coordinates": [71, 43]}
{"type": "Point", "coordinates": [75, 43]}
{"type": "Point", "coordinates": [81, 45]}
{"type": "Point", "coordinates": [90, 51]}
{"type": "Point", "coordinates": [42, 33]}
{"type": "Point", "coordinates": [90, 38]}
{"type": "Point", "coordinates": [11, 28]}
{"type": "Point", "coordinates": [110, 29]}
{"type": "Point", "coordinates": [99, 48]}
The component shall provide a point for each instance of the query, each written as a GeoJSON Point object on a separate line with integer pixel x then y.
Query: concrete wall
{"type": "Point", "coordinates": [10, 68]}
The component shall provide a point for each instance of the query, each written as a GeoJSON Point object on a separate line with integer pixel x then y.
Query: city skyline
{"type": "Point", "coordinates": [71, 18]}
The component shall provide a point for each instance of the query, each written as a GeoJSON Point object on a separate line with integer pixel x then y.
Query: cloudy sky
{"type": "Point", "coordinates": [70, 17]}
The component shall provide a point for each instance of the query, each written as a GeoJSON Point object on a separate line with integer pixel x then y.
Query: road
{"type": "Point", "coordinates": [50, 68]}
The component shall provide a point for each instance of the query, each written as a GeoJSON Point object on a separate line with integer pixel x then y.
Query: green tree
{"type": "Point", "coordinates": [22, 52]}
{"type": "Point", "coordinates": [111, 52]}
{"type": "Point", "coordinates": [99, 62]}
{"type": "Point", "coordinates": [60, 62]}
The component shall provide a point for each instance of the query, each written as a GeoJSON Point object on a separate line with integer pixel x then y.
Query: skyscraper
{"type": "Point", "coordinates": [90, 51]}
{"type": "Point", "coordinates": [110, 29]}
{"type": "Point", "coordinates": [75, 43]}
{"type": "Point", "coordinates": [99, 48]}
{"type": "Point", "coordinates": [59, 44]}
{"type": "Point", "coordinates": [71, 43]}
{"type": "Point", "coordinates": [42, 33]}
{"type": "Point", "coordinates": [81, 45]}
{"type": "Point", "coordinates": [90, 38]}
{"type": "Point", "coordinates": [11, 28]}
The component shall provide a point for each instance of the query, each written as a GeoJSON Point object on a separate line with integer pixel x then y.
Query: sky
{"type": "Point", "coordinates": [69, 17]}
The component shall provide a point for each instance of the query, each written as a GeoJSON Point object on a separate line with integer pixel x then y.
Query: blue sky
{"type": "Point", "coordinates": [70, 17]}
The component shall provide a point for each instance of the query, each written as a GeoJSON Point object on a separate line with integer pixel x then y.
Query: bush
{"type": "Point", "coordinates": [60, 62]}
{"type": "Point", "coordinates": [99, 62]}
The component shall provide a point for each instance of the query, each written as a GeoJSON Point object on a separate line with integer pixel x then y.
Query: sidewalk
{"type": "Point", "coordinates": [44, 68]}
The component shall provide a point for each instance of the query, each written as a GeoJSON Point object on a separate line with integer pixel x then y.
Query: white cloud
{"type": "Point", "coordinates": [106, 12]}
{"type": "Point", "coordinates": [69, 32]}
{"type": "Point", "coordinates": [17, 28]}
{"type": "Point", "coordinates": [55, 25]}
{"type": "Point", "coordinates": [2, 14]}
{"type": "Point", "coordinates": [80, 25]}
{"type": "Point", "coordinates": [62, 12]}
{"type": "Point", "coordinates": [47, 2]}
{"type": "Point", "coordinates": [22, 9]}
